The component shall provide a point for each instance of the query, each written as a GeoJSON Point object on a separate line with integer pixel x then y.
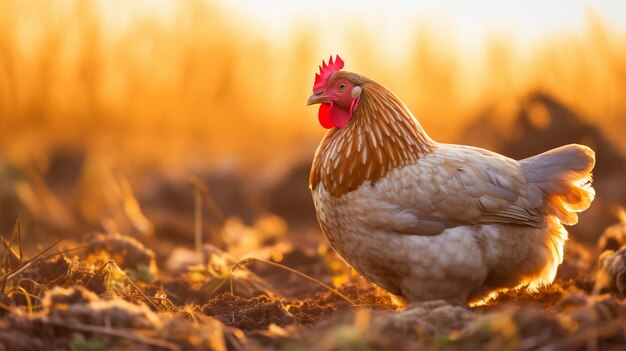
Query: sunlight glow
{"type": "Point", "coordinates": [470, 22]}
{"type": "Point", "coordinates": [147, 66]}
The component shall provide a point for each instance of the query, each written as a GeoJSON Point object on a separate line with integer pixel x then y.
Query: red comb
{"type": "Point", "coordinates": [327, 70]}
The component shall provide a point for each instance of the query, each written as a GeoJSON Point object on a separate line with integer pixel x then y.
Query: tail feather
{"type": "Point", "coordinates": [561, 179]}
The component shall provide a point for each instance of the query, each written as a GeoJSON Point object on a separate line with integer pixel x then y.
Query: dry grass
{"type": "Point", "coordinates": [120, 81]}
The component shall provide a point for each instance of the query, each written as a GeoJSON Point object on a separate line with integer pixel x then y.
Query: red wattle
{"type": "Point", "coordinates": [339, 117]}
{"type": "Point", "coordinates": [324, 116]}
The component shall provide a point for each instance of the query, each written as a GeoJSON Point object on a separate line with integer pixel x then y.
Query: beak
{"type": "Point", "coordinates": [317, 99]}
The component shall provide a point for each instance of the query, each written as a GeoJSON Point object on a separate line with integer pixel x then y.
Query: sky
{"type": "Point", "coordinates": [470, 22]}
{"type": "Point", "coordinates": [466, 24]}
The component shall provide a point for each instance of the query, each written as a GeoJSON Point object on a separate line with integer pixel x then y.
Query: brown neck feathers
{"type": "Point", "coordinates": [382, 135]}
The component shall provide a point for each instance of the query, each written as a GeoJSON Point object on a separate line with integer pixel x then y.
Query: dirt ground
{"type": "Point", "coordinates": [108, 292]}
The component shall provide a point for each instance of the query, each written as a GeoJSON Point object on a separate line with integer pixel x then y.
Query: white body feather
{"type": "Point", "coordinates": [394, 231]}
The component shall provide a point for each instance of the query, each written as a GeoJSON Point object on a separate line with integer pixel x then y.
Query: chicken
{"type": "Point", "coordinates": [427, 220]}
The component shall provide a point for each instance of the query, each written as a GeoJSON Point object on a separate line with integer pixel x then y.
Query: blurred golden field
{"type": "Point", "coordinates": [167, 144]}
{"type": "Point", "coordinates": [203, 85]}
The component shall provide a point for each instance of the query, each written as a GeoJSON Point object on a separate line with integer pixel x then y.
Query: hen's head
{"type": "Point", "coordinates": [337, 92]}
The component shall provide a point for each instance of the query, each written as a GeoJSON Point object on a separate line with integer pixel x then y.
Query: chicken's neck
{"type": "Point", "coordinates": [382, 135]}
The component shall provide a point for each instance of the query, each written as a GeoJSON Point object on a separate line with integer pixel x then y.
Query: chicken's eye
{"type": "Point", "coordinates": [342, 86]}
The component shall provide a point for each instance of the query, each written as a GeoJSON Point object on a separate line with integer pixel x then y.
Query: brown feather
{"type": "Point", "coordinates": [382, 135]}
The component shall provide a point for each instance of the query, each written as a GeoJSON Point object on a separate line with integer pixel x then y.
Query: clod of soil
{"type": "Point", "coordinates": [88, 309]}
{"type": "Point", "coordinates": [547, 297]}
{"type": "Point", "coordinates": [203, 333]}
{"type": "Point", "coordinates": [433, 316]}
{"type": "Point", "coordinates": [361, 293]}
{"type": "Point", "coordinates": [598, 310]}
{"type": "Point", "coordinates": [613, 265]}
{"type": "Point", "coordinates": [248, 314]}
{"type": "Point", "coordinates": [127, 252]}
{"type": "Point", "coordinates": [59, 298]}
{"type": "Point", "coordinates": [58, 271]}
{"type": "Point", "coordinates": [614, 236]}
{"type": "Point", "coordinates": [50, 271]}
{"type": "Point", "coordinates": [308, 312]}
